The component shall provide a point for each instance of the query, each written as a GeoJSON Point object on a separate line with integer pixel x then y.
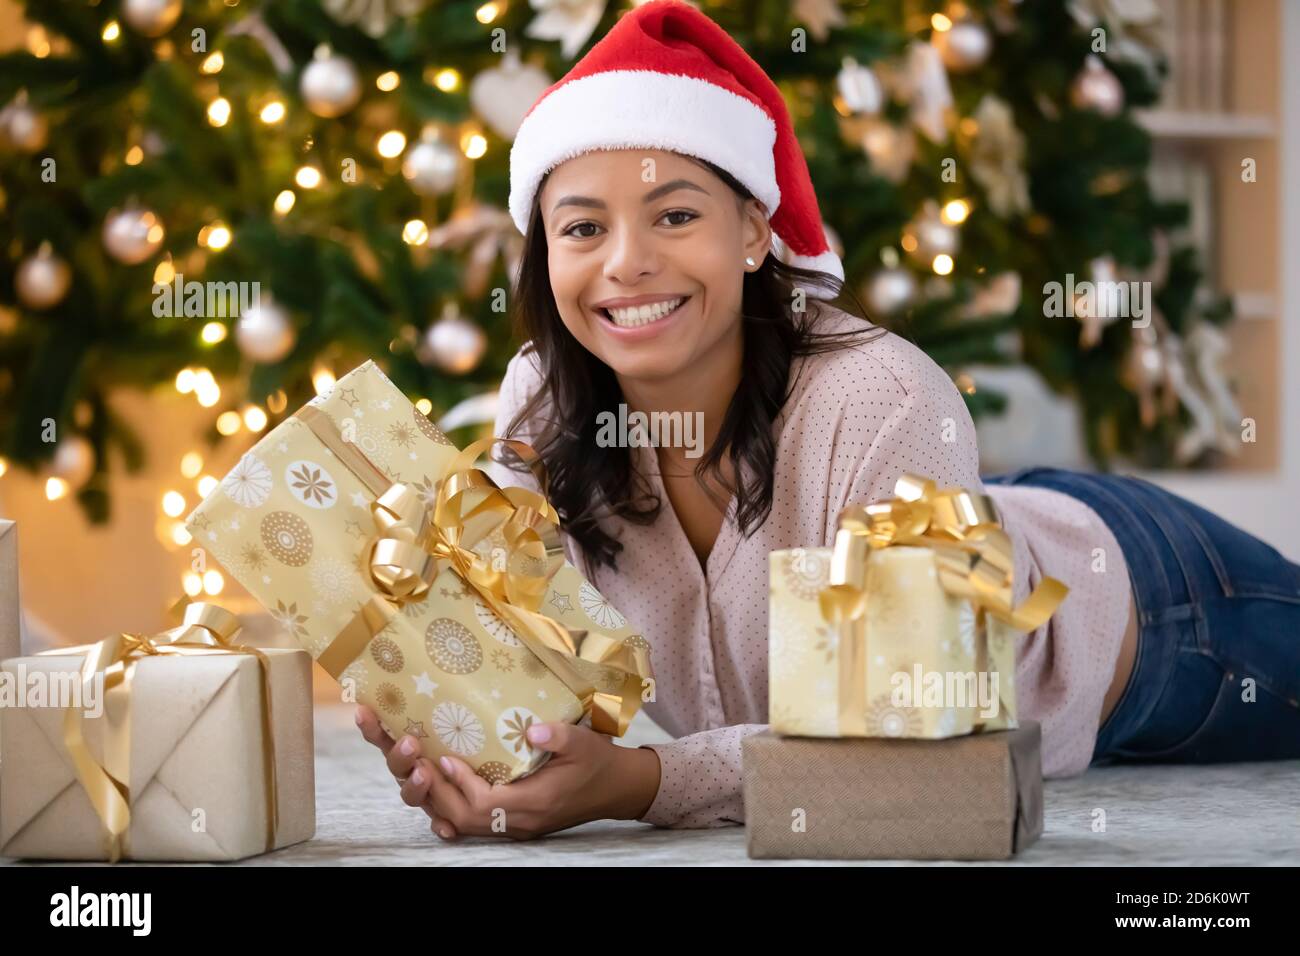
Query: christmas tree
{"type": "Point", "coordinates": [347, 162]}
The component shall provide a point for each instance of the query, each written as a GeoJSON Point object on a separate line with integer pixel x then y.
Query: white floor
{"type": "Point", "coordinates": [1232, 814]}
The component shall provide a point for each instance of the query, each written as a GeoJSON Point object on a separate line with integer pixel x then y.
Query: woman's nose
{"type": "Point", "coordinates": [631, 255]}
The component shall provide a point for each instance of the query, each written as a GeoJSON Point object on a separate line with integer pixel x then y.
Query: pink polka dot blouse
{"type": "Point", "coordinates": [856, 420]}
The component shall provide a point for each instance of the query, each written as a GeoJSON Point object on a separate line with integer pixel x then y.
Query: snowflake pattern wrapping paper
{"type": "Point", "coordinates": [925, 654]}
{"type": "Point", "coordinates": [292, 523]}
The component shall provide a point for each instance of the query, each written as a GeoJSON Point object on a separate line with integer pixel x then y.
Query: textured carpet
{"type": "Point", "coordinates": [1231, 814]}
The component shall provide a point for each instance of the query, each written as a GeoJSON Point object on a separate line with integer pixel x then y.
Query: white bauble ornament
{"type": "Point", "coordinates": [501, 95]}
{"type": "Point", "coordinates": [453, 343]}
{"type": "Point", "coordinates": [1096, 88]}
{"type": "Point", "coordinates": [42, 280]}
{"type": "Point", "coordinates": [23, 127]}
{"type": "Point", "coordinates": [860, 88]}
{"type": "Point", "coordinates": [890, 291]}
{"type": "Point", "coordinates": [74, 460]}
{"type": "Point", "coordinates": [264, 333]}
{"type": "Point", "coordinates": [964, 46]}
{"type": "Point", "coordinates": [132, 235]}
{"type": "Point", "coordinates": [432, 167]}
{"type": "Point", "coordinates": [153, 18]}
{"type": "Point", "coordinates": [930, 235]}
{"type": "Point", "coordinates": [330, 85]}
{"type": "Point", "coordinates": [890, 148]}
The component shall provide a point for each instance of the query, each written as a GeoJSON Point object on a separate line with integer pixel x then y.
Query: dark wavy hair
{"type": "Point", "coordinates": [577, 387]}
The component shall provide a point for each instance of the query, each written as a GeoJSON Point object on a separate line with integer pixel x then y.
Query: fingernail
{"type": "Point", "coordinates": [408, 747]}
{"type": "Point", "coordinates": [417, 777]}
{"type": "Point", "coordinates": [539, 733]}
{"type": "Point", "coordinates": [357, 717]}
{"type": "Point", "coordinates": [445, 833]}
{"type": "Point", "coordinates": [445, 763]}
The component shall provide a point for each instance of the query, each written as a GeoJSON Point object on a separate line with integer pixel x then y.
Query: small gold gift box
{"type": "Point", "coordinates": [903, 629]}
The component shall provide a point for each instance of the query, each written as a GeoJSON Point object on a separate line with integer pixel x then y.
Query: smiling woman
{"type": "Point", "coordinates": [613, 237]}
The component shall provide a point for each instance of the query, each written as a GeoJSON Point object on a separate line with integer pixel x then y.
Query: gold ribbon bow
{"type": "Point", "coordinates": [412, 542]}
{"type": "Point", "coordinates": [975, 561]}
{"type": "Point", "coordinates": [206, 630]}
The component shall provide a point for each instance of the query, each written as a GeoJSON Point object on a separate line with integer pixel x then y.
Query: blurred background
{"type": "Point", "coordinates": [979, 164]}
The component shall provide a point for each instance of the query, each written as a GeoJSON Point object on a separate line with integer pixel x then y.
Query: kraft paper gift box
{"type": "Point", "coordinates": [199, 773]}
{"type": "Point", "coordinates": [924, 641]}
{"type": "Point", "coordinates": [296, 523]}
{"type": "Point", "coordinates": [10, 609]}
{"type": "Point", "coordinates": [977, 797]}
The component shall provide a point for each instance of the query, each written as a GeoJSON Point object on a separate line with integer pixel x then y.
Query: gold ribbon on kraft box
{"type": "Point", "coordinates": [206, 630]}
{"type": "Point", "coordinates": [412, 541]}
{"type": "Point", "coordinates": [974, 558]}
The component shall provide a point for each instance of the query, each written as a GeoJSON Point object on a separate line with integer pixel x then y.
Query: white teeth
{"type": "Point", "coordinates": [643, 315]}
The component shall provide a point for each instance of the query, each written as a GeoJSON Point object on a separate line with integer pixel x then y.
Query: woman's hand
{"type": "Point", "coordinates": [588, 777]}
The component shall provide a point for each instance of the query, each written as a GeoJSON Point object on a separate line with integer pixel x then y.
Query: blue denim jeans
{"type": "Point", "coordinates": [1217, 674]}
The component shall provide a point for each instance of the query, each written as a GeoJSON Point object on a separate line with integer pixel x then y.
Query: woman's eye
{"type": "Point", "coordinates": [579, 225]}
{"type": "Point", "coordinates": [680, 212]}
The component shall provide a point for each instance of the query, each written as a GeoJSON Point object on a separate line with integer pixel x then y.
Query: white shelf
{"type": "Point", "coordinates": [1184, 125]}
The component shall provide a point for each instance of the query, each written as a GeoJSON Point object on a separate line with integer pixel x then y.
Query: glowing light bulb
{"type": "Point", "coordinates": [213, 332]}
{"type": "Point", "coordinates": [213, 63]}
{"type": "Point", "coordinates": [228, 423]}
{"type": "Point", "coordinates": [487, 13]}
{"type": "Point", "coordinates": [322, 379]}
{"type": "Point", "coordinates": [254, 418]}
{"type": "Point", "coordinates": [387, 82]}
{"type": "Point", "coordinates": [940, 23]}
{"type": "Point", "coordinates": [308, 177]}
{"type": "Point", "coordinates": [446, 80]}
{"type": "Point", "coordinates": [207, 484]}
{"type": "Point", "coordinates": [185, 381]}
{"type": "Point", "coordinates": [173, 504]}
{"type": "Point", "coordinates": [424, 406]}
{"type": "Point", "coordinates": [284, 202]}
{"type": "Point", "coordinates": [193, 584]}
{"type": "Point", "coordinates": [955, 212]}
{"type": "Point", "coordinates": [272, 112]}
{"type": "Point", "coordinates": [191, 464]}
{"type": "Point", "coordinates": [112, 30]}
{"type": "Point", "coordinates": [55, 488]}
{"type": "Point", "coordinates": [213, 582]}
{"type": "Point", "coordinates": [391, 144]}
{"type": "Point", "coordinates": [415, 232]}
{"type": "Point", "coordinates": [475, 145]}
{"type": "Point", "coordinates": [942, 264]}
{"type": "Point", "coordinates": [219, 111]}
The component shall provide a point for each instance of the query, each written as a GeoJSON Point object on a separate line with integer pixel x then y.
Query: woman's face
{"type": "Point", "coordinates": [646, 252]}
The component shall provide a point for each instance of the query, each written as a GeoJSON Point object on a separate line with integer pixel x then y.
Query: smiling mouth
{"type": "Point", "coordinates": [643, 315]}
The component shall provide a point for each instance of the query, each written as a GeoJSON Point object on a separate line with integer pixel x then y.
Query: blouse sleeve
{"type": "Point", "coordinates": [929, 433]}
{"type": "Point", "coordinates": [699, 779]}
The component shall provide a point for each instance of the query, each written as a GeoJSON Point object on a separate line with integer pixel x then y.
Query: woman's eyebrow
{"type": "Point", "coordinates": [651, 196]}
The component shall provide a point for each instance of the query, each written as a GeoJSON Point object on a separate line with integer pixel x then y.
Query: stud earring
{"type": "Point", "coordinates": [749, 260]}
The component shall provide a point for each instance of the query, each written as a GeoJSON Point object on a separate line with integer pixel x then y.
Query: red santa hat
{"type": "Point", "coordinates": [667, 77]}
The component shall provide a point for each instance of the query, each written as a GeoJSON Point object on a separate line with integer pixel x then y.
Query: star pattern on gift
{"type": "Point", "coordinates": [349, 395]}
{"type": "Point", "coordinates": [516, 735]}
{"type": "Point", "coordinates": [232, 525]}
{"type": "Point", "coordinates": [424, 684]}
{"type": "Point", "coordinates": [358, 499]}
{"type": "Point", "coordinates": [289, 618]}
{"type": "Point", "coordinates": [282, 448]}
{"type": "Point", "coordinates": [541, 694]}
{"type": "Point", "coordinates": [455, 594]}
{"type": "Point", "coordinates": [253, 557]}
{"type": "Point", "coordinates": [561, 602]}
{"type": "Point", "coordinates": [312, 484]}
{"type": "Point", "coordinates": [202, 522]}
{"type": "Point", "coordinates": [354, 528]}
{"type": "Point", "coordinates": [402, 434]}
{"type": "Point", "coordinates": [415, 728]}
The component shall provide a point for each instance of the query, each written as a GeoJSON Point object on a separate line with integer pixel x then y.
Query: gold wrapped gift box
{"type": "Point", "coordinates": [905, 628]}
{"type": "Point", "coordinates": [184, 749]}
{"type": "Point", "coordinates": [437, 599]}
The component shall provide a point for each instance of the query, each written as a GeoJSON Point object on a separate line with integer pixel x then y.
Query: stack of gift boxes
{"type": "Point", "coordinates": [434, 597]}
{"type": "Point", "coordinates": [892, 728]}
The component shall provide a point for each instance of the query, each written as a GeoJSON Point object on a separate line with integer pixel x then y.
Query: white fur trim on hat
{"type": "Point", "coordinates": [827, 262]}
{"type": "Point", "coordinates": [630, 109]}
